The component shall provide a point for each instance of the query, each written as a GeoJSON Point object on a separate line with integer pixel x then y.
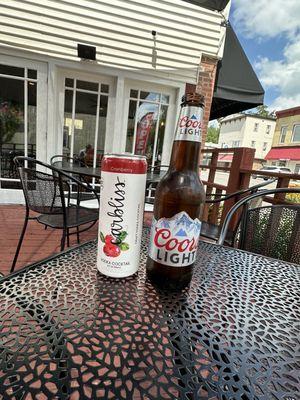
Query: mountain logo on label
{"type": "Point", "coordinates": [193, 117]}
{"type": "Point", "coordinates": [181, 232]}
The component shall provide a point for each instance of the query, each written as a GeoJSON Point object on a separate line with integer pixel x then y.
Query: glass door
{"type": "Point", "coordinates": [21, 115]}
{"type": "Point", "coordinates": [146, 123]}
{"type": "Point", "coordinates": [85, 115]}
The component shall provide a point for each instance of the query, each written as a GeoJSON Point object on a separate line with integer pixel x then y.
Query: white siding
{"type": "Point", "coordinates": [260, 137]}
{"type": "Point", "coordinates": [232, 130]}
{"type": "Point", "coordinates": [121, 30]}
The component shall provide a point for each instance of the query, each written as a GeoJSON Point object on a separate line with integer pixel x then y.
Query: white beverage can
{"type": "Point", "coordinates": [121, 214]}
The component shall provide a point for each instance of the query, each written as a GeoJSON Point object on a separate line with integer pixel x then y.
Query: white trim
{"type": "Point", "coordinates": [156, 135]}
{"type": "Point", "coordinates": [168, 78]}
{"type": "Point", "coordinates": [26, 115]}
{"type": "Point", "coordinates": [50, 98]}
{"type": "Point", "coordinates": [96, 127]}
{"type": "Point", "coordinates": [280, 134]}
{"type": "Point", "coordinates": [41, 103]}
{"type": "Point", "coordinates": [171, 113]}
{"type": "Point", "coordinates": [293, 132]}
{"type": "Point", "coordinates": [64, 73]}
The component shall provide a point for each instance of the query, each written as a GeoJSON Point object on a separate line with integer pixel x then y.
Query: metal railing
{"type": "Point", "coordinates": [240, 170]}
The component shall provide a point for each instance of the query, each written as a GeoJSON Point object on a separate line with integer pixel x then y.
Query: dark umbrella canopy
{"type": "Point", "coordinates": [218, 5]}
{"type": "Point", "coordinates": [237, 87]}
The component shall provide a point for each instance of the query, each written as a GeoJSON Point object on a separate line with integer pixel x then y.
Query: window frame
{"type": "Point", "coordinates": [170, 118]}
{"type": "Point", "coordinates": [265, 145]}
{"type": "Point", "coordinates": [41, 102]}
{"type": "Point", "coordinates": [256, 126]}
{"type": "Point", "coordinates": [280, 135]}
{"type": "Point", "coordinates": [293, 133]}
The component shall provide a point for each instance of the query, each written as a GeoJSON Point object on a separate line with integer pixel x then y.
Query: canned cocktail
{"type": "Point", "coordinates": [121, 214]}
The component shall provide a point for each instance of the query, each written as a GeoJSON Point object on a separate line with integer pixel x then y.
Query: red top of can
{"type": "Point", "coordinates": [124, 164]}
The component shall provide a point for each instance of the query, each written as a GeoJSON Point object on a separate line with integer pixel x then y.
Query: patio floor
{"type": "Point", "coordinates": [38, 243]}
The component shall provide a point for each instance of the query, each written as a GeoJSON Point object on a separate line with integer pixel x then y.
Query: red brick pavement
{"type": "Point", "coordinates": [38, 243]}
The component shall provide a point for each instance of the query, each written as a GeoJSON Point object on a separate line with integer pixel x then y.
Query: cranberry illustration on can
{"type": "Point", "coordinates": [121, 211]}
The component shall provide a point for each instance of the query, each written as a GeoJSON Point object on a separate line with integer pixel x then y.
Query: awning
{"type": "Point", "coordinates": [283, 153]}
{"type": "Point", "coordinates": [218, 5]}
{"type": "Point", "coordinates": [225, 157]}
{"type": "Point", "coordinates": [237, 87]}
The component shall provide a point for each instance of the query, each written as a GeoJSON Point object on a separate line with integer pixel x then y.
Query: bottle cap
{"type": "Point", "coordinates": [193, 98]}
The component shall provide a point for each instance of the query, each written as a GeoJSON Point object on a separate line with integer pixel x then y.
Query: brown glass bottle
{"type": "Point", "coordinates": [179, 197]}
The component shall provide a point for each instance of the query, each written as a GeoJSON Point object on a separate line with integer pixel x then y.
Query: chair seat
{"type": "Point", "coordinates": [211, 231]}
{"type": "Point", "coordinates": [75, 216]}
{"type": "Point", "coordinates": [83, 196]}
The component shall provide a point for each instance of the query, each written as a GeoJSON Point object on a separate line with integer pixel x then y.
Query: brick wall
{"type": "Point", "coordinates": [205, 86]}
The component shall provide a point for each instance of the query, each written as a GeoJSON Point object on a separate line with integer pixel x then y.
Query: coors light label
{"type": "Point", "coordinates": [174, 241]}
{"type": "Point", "coordinates": [189, 126]}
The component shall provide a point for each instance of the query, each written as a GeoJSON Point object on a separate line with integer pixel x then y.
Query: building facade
{"type": "Point", "coordinates": [245, 130]}
{"type": "Point", "coordinates": [285, 149]}
{"type": "Point", "coordinates": [55, 102]}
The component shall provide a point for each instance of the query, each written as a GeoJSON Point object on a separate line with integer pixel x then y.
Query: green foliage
{"type": "Point", "coordinates": [10, 119]}
{"type": "Point", "coordinates": [262, 111]}
{"type": "Point", "coordinates": [212, 134]}
{"type": "Point", "coordinates": [293, 197]}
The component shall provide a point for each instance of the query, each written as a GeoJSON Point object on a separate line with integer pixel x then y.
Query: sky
{"type": "Point", "coordinates": [269, 31]}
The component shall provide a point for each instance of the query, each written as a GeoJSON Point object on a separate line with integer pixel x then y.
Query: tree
{"type": "Point", "coordinates": [213, 134]}
{"type": "Point", "coordinates": [262, 111]}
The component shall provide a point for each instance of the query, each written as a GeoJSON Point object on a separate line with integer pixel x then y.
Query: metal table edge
{"type": "Point", "coordinates": [44, 260]}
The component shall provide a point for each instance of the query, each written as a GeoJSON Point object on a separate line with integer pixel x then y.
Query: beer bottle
{"type": "Point", "coordinates": [178, 204]}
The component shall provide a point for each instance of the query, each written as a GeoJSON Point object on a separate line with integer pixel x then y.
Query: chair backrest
{"type": "Point", "coordinates": [246, 191]}
{"type": "Point", "coordinates": [61, 160]}
{"type": "Point", "coordinates": [272, 230]}
{"type": "Point", "coordinates": [43, 191]}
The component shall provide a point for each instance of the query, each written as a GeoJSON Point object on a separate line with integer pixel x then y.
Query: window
{"type": "Point", "coordinates": [268, 130]}
{"type": "Point", "coordinates": [265, 146]}
{"type": "Point", "coordinates": [18, 119]}
{"type": "Point", "coordinates": [146, 124]}
{"type": "Point", "coordinates": [236, 143]}
{"type": "Point", "coordinates": [296, 133]}
{"type": "Point", "coordinates": [297, 169]}
{"type": "Point", "coordinates": [253, 143]}
{"type": "Point", "coordinates": [256, 126]}
{"type": "Point", "coordinates": [283, 131]}
{"type": "Point", "coordinates": [85, 113]}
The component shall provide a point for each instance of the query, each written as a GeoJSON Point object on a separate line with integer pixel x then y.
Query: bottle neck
{"type": "Point", "coordinates": [187, 141]}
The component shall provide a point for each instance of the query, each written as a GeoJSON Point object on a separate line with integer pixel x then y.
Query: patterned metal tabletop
{"type": "Point", "coordinates": [68, 332]}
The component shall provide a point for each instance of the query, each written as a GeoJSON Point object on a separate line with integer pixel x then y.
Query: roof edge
{"type": "Point", "coordinates": [288, 112]}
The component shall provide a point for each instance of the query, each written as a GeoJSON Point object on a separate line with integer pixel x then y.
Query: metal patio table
{"type": "Point", "coordinates": [96, 172]}
{"type": "Point", "coordinates": [72, 168]}
{"type": "Point", "coordinates": [68, 332]}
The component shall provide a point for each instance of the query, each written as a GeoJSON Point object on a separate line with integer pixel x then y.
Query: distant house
{"type": "Point", "coordinates": [246, 130]}
{"type": "Point", "coordinates": [285, 149]}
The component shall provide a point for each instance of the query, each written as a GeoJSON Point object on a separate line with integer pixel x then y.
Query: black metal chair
{"type": "Point", "coordinates": [60, 161]}
{"type": "Point", "coordinates": [212, 231]}
{"type": "Point", "coordinates": [45, 194]}
{"type": "Point", "coordinates": [272, 230]}
{"type": "Point", "coordinates": [209, 230]}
